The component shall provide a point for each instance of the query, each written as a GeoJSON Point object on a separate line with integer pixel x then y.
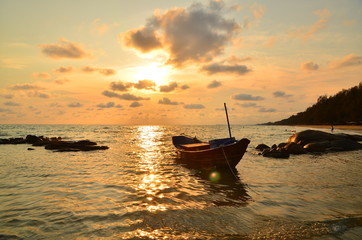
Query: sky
{"type": "Point", "coordinates": [166, 62]}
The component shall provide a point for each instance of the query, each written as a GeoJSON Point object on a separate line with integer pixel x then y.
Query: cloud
{"type": "Point", "coordinates": [270, 42]}
{"type": "Point", "coordinates": [64, 49]}
{"type": "Point", "coordinates": [75, 105]}
{"type": "Point", "coordinates": [104, 71]}
{"type": "Point", "coordinates": [63, 70]}
{"type": "Point", "coordinates": [347, 61]}
{"type": "Point", "coordinates": [43, 75]}
{"type": "Point", "coordinates": [267, 110]}
{"type": "Point", "coordinates": [135, 104]}
{"type": "Point", "coordinates": [306, 33]}
{"type": "Point", "coordinates": [216, 68]}
{"type": "Point", "coordinates": [214, 84]}
{"type": "Point", "coordinates": [309, 66]}
{"type": "Point", "coordinates": [125, 96]}
{"type": "Point", "coordinates": [7, 96]}
{"type": "Point", "coordinates": [5, 110]}
{"type": "Point", "coordinates": [25, 87]}
{"type": "Point", "coordinates": [236, 7]}
{"type": "Point", "coordinates": [184, 87]}
{"type": "Point", "coordinates": [121, 86]}
{"type": "Point", "coordinates": [108, 105]}
{"type": "Point", "coordinates": [281, 94]}
{"type": "Point", "coordinates": [257, 10]}
{"type": "Point", "coordinates": [143, 39]}
{"type": "Point", "coordinates": [167, 101]}
{"type": "Point", "coordinates": [194, 106]}
{"type": "Point", "coordinates": [100, 28]}
{"type": "Point", "coordinates": [168, 88]}
{"type": "Point", "coordinates": [189, 35]}
{"type": "Point", "coordinates": [145, 84]}
{"type": "Point", "coordinates": [11, 104]}
{"type": "Point", "coordinates": [107, 71]}
{"type": "Point", "coordinates": [246, 97]}
{"type": "Point", "coordinates": [61, 81]}
{"type": "Point", "coordinates": [248, 105]}
{"type": "Point", "coordinates": [38, 94]}
{"type": "Point", "coordinates": [89, 69]}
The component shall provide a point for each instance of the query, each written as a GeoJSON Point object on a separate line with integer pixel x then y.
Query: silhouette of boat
{"type": "Point", "coordinates": [220, 153]}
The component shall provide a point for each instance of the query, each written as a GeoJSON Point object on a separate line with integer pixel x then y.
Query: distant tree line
{"type": "Point", "coordinates": [343, 108]}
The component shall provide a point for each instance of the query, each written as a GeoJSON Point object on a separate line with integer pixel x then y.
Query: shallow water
{"type": "Point", "coordinates": [136, 189]}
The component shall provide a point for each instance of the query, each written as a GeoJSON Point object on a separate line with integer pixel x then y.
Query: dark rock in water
{"type": "Point", "coordinates": [33, 139]}
{"type": "Point", "coordinates": [345, 145]}
{"type": "Point", "coordinates": [314, 141]}
{"type": "Point", "coordinates": [84, 145]}
{"type": "Point", "coordinates": [275, 153]}
{"type": "Point", "coordinates": [315, 147]}
{"type": "Point", "coordinates": [294, 148]}
{"type": "Point", "coordinates": [262, 146]}
{"type": "Point", "coordinates": [55, 143]}
{"type": "Point", "coordinates": [13, 141]}
{"type": "Point", "coordinates": [309, 136]}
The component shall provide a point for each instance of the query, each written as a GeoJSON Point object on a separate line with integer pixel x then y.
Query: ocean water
{"type": "Point", "coordinates": [136, 189]}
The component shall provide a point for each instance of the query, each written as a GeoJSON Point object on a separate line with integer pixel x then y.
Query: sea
{"type": "Point", "coordinates": [137, 190]}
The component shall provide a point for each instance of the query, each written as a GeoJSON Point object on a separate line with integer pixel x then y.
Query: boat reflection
{"type": "Point", "coordinates": [224, 186]}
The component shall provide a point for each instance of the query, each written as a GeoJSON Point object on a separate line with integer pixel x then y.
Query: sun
{"type": "Point", "coordinates": [154, 72]}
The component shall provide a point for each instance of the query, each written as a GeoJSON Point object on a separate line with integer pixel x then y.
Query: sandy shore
{"type": "Point", "coordinates": [343, 127]}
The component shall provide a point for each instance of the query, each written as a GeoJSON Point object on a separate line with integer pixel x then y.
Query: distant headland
{"type": "Point", "coordinates": [344, 108]}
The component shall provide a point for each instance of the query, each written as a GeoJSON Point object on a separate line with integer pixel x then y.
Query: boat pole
{"type": "Point", "coordinates": [227, 118]}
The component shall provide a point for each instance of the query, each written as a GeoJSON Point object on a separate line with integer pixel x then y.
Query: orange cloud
{"type": "Point", "coordinates": [216, 68]}
{"type": "Point", "coordinates": [306, 33]}
{"type": "Point", "coordinates": [43, 75]}
{"type": "Point", "coordinates": [195, 34]}
{"type": "Point", "coordinates": [104, 71]}
{"type": "Point", "coordinates": [63, 69]}
{"type": "Point", "coordinates": [347, 61]}
{"type": "Point", "coordinates": [309, 66]}
{"type": "Point", "coordinates": [64, 49]}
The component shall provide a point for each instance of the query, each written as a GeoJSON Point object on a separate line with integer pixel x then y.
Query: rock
{"type": "Point", "coordinates": [310, 136]}
{"type": "Point", "coordinates": [30, 149]}
{"type": "Point", "coordinates": [275, 153]}
{"type": "Point", "coordinates": [281, 145]}
{"type": "Point", "coordinates": [84, 145]}
{"type": "Point", "coordinates": [345, 145]}
{"type": "Point", "coordinates": [31, 139]}
{"type": "Point", "coordinates": [262, 146]}
{"type": "Point", "coordinates": [315, 147]}
{"type": "Point", "coordinates": [294, 148]}
{"type": "Point", "coordinates": [55, 143]}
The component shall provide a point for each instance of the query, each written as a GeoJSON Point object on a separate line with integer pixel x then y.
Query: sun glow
{"type": "Point", "coordinates": [156, 73]}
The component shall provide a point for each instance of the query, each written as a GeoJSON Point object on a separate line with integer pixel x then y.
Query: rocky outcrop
{"type": "Point", "coordinates": [312, 141]}
{"type": "Point", "coordinates": [55, 143]}
{"type": "Point", "coordinates": [84, 145]}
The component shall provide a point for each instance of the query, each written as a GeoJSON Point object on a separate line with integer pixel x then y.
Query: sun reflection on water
{"type": "Point", "coordinates": [152, 181]}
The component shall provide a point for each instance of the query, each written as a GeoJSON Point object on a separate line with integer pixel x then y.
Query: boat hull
{"type": "Point", "coordinates": [224, 156]}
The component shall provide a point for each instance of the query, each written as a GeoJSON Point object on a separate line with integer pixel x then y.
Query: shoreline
{"type": "Point", "coordinates": [341, 127]}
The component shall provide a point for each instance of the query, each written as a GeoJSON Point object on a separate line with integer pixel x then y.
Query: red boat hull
{"type": "Point", "coordinates": [224, 156]}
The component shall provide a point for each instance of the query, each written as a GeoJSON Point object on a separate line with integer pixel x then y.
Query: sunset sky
{"type": "Point", "coordinates": [173, 62]}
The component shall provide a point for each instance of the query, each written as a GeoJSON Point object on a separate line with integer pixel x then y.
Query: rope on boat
{"type": "Point", "coordinates": [233, 170]}
{"type": "Point", "coordinates": [228, 163]}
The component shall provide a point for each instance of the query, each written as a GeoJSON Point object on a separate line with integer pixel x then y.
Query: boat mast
{"type": "Point", "coordinates": [227, 118]}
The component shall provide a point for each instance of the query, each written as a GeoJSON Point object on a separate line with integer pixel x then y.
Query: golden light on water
{"type": "Point", "coordinates": [152, 182]}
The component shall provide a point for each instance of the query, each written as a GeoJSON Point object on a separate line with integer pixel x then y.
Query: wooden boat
{"type": "Point", "coordinates": [221, 153]}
